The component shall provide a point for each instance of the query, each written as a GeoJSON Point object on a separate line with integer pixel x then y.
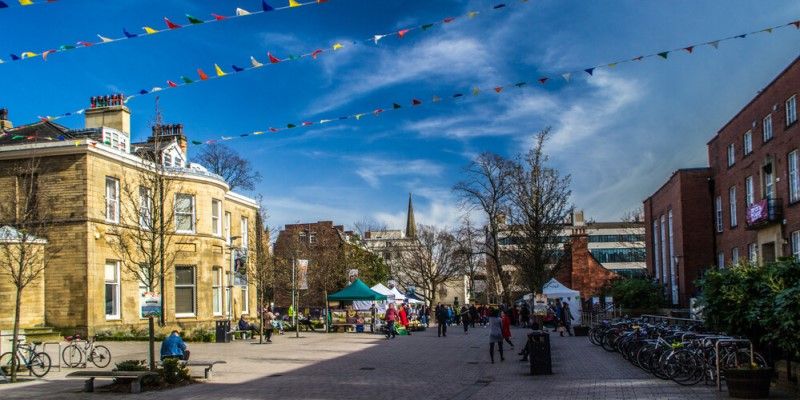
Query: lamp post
{"type": "Point", "coordinates": [231, 275]}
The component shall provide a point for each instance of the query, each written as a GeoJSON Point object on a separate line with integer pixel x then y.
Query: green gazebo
{"type": "Point", "coordinates": [357, 290]}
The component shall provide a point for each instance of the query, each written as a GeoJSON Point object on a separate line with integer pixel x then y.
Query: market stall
{"type": "Point", "coordinates": [355, 301]}
{"type": "Point", "coordinates": [556, 290]}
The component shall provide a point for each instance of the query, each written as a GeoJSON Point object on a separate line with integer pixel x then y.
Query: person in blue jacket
{"type": "Point", "coordinates": [174, 347]}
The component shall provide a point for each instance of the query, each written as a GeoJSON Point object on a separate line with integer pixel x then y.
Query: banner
{"type": "Point", "coordinates": [352, 275]}
{"type": "Point", "coordinates": [150, 304]}
{"type": "Point", "coordinates": [302, 274]}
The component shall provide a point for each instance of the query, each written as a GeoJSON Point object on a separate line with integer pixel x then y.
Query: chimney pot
{"type": "Point", "coordinates": [3, 114]}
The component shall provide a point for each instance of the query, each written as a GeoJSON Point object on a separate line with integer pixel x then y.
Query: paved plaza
{"type": "Point", "coordinates": [363, 366]}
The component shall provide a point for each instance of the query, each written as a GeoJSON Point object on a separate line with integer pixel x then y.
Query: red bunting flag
{"type": "Point", "coordinates": [272, 58]}
{"type": "Point", "coordinates": [307, 123]}
{"type": "Point", "coordinates": [415, 102]}
{"type": "Point", "coordinates": [316, 53]}
{"type": "Point", "coordinates": [402, 33]}
{"type": "Point", "coordinates": [170, 24]}
{"type": "Point", "coordinates": [498, 89]}
{"type": "Point", "coordinates": [689, 49]}
{"type": "Point", "coordinates": [218, 17]}
{"type": "Point", "coordinates": [796, 24]}
{"type": "Point", "coordinates": [448, 20]}
{"type": "Point", "coordinates": [85, 44]}
{"type": "Point", "coordinates": [543, 80]}
{"type": "Point", "coordinates": [202, 74]}
{"type": "Point", "coordinates": [172, 84]}
{"type": "Point", "coordinates": [273, 129]}
{"type": "Point", "coordinates": [377, 111]}
{"type": "Point", "coordinates": [638, 58]}
{"type": "Point", "coordinates": [46, 53]}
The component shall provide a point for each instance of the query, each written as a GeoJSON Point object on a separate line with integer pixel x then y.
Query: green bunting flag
{"type": "Point", "coordinates": [193, 20]}
{"type": "Point", "coordinates": [395, 106]}
{"type": "Point", "coordinates": [663, 54]}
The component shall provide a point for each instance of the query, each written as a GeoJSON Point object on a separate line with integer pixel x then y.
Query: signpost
{"type": "Point", "coordinates": [150, 305]}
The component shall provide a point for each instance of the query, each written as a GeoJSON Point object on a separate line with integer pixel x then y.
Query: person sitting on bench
{"type": "Point", "coordinates": [305, 322]}
{"type": "Point", "coordinates": [246, 326]}
{"type": "Point", "coordinates": [174, 347]}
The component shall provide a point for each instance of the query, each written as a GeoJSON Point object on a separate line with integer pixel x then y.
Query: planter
{"type": "Point", "coordinates": [748, 383]}
{"type": "Point", "coordinates": [581, 330]}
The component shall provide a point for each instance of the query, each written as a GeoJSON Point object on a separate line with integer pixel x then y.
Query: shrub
{"type": "Point", "coordinates": [131, 365]}
{"type": "Point", "coordinates": [640, 292]}
{"type": "Point", "coordinates": [174, 371]}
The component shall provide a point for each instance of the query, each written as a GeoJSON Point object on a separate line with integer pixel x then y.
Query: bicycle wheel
{"type": "Point", "coordinates": [100, 356]}
{"type": "Point", "coordinates": [40, 364]}
{"type": "Point", "coordinates": [72, 356]}
{"type": "Point", "coordinates": [5, 362]}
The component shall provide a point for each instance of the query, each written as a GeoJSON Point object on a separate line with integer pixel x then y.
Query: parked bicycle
{"type": "Point", "coordinates": [81, 352]}
{"type": "Point", "coordinates": [38, 363]}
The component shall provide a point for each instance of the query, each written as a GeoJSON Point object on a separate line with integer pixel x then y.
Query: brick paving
{"type": "Point", "coordinates": [362, 366]}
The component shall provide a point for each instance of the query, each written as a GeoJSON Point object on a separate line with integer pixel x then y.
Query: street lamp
{"type": "Point", "coordinates": [231, 275]}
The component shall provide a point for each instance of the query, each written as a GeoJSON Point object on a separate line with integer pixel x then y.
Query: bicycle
{"type": "Point", "coordinates": [75, 355]}
{"type": "Point", "coordinates": [37, 363]}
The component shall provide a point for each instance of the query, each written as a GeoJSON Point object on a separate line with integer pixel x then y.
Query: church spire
{"type": "Point", "coordinates": [411, 226]}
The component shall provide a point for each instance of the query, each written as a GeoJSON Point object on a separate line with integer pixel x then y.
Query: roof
{"type": "Point", "coordinates": [556, 287]}
{"type": "Point", "coordinates": [36, 132]}
{"type": "Point", "coordinates": [358, 290]}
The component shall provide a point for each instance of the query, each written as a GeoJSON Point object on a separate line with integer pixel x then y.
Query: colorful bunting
{"type": "Point", "coordinates": [171, 25]}
{"type": "Point", "coordinates": [663, 54]}
{"type": "Point", "coordinates": [149, 30]}
{"type": "Point", "coordinates": [275, 60]}
{"type": "Point", "coordinates": [128, 34]}
{"type": "Point", "coordinates": [402, 32]}
{"type": "Point", "coordinates": [255, 62]}
{"type": "Point", "coordinates": [589, 71]}
{"type": "Point", "coordinates": [266, 7]}
{"type": "Point", "coordinates": [294, 3]}
{"type": "Point", "coordinates": [219, 70]}
{"type": "Point", "coordinates": [237, 69]}
{"type": "Point", "coordinates": [202, 74]}
{"type": "Point", "coordinates": [186, 80]}
{"type": "Point", "coordinates": [240, 12]}
{"type": "Point", "coordinates": [193, 20]}
{"type": "Point", "coordinates": [415, 102]}
{"type": "Point", "coordinates": [337, 46]}
{"type": "Point", "coordinates": [104, 39]}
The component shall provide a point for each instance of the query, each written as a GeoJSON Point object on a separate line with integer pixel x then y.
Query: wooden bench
{"type": "Point", "coordinates": [209, 365]}
{"type": "Point", "coordinates": [136, 376]}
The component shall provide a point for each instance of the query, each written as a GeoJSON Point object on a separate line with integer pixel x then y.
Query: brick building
{"type": "Point", "coordinates": [679, 236]}
{"type": "Point", "coordinates": [94, 176]}
{"type": "Point", "coordinates": [579, 269]}
{"type": "Point", "coordinates": [751, 213]}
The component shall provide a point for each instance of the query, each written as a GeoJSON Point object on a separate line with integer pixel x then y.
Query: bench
{"type": "Point", "coordinates": [136, 376]}
{"type": "Point", "coordinates": [209, 365]}
{"type": "Point", "coordinates": [242, 334]}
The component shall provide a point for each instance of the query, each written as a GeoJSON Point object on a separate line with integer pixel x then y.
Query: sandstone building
{"type": "Point", "coordinates": [95, 174]}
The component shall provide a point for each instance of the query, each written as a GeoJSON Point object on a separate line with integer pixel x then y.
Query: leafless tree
{"type": "Point", "coordinates": [469, 251]}
{"type": "Point", "coordinates": [432, 262]}
{"type": "Point", "coordinates": [225, 162]}
{"type": "Point", "coordinates": [540, 205]}
{"type": "Point", "coordinates": [487, 187]}
{"type": "Point", "coordinates": [28, 220]}
{"type": "Point", "coordinates": [365, 225]}
{"type": "Point", "coordinates": [262, 270]}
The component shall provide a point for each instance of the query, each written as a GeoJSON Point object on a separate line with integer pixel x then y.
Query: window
{"type": "Point", "coordinates": [112, 199]}
{"type": "Point", "coordinates": [312, 238]}
{"type": "Point", "coordinates": [748, 142]}
{"type": "Point", "coordinates": [244, 292]}
{"type": "Point", "coordinates": [245, 236]}
{"type": "Point", "coordinates": [145, 208]}
{"type": "Point", "coordinates": [657, 266]}
{"type": "Point", "coordinates": [796, 244]}
{"type": "Point", "coordinates": [749, 197]}
{"type": "Point", "coordinates": [721, 260]}
{"type": "Point", "coordinates": [228, 228]}
{"type": "Point", "coordinates": [184, 213]}
{"type": "Point", "coordinates": [767, 128]}
{"type": "Point", "coordinates": [752, 253]}
{"type": "Point", "coordinates": [718, 212]}
{"type": "Point", "coordinates": [619, 254]}
{"type": "Point", "coordinates": [673, 260]}
{"type": "Point", "coordinates": [791, 110]}
{"type": "Point", "coordinates": [735, 255]}
{"type": "Point", "coordinates": [167, 160]}
{"type": "Point", "coordinates": [732, 205]}
{"type": "Point", "coordinates": [144, 275]}
{"type": "Point", "coordinates": [112, 289]}
{"type": "Point", "coordinates": [663, 250]}
{"type": "Point", "coordinates": [794, 183]}
{"type": "Point", "coordinates": [731, 154]}
{"type": "Point", "coordinates": [184, 291]}
{"type": "Point", "coordinates": [769, 181]}
{"type": "Point", "coordinates": [216, 290]}
{"type": "Point", "coordinates": [612, 238]}
{"type": "Point", "coordinates": [216, 217]}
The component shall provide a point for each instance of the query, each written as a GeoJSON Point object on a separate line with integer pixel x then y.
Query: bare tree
{"type": "Point", "coordinates": [432, 262]}
{"type": "Point", "coordinates": [540, 205]}
{"type": "Point", "coordinates": [28, 220]}
{"type": "Point", "coordinates": [361, 227]}
{"type": "Point", "coordinates": [487, 188]}
{"type": "Point", "coordinates": [469, 251]}
{"type": "Point", "coordinates": [262, 272]}
{"type": "Point", "coordinates": [225, 162]}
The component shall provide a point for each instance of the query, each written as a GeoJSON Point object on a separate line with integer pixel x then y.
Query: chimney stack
{"type": "Point", "coordinates": [170, 131]}
{"type": "Point", "coordinates": [109, 111]}
{"type": "Point", "coordinates": [5, 123]}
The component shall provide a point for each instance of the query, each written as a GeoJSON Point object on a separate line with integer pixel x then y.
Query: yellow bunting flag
{"type": "Point", "coordinates": [337, 46]}
{"type": "Point", "coordinates": [149, 30]}
{"type": "Point", "coordinates": [25, 2]}
{"type": "Point", "coordinates": [294, 3]}
{"type": "Point", "coordinates": [219, 70]}
{"type": "Point", "coordinates": [29, 54]}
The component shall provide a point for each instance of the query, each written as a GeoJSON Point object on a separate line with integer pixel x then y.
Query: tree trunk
{"type": "Point", "coordinates": [15, 335]}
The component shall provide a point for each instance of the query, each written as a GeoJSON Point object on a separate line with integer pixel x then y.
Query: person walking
{"type": "Point", "coordinates": [465, 318]}
{"type": "Point", "coordinates": [373, 312]}
{"type": "Point", "coordinates": [473, 314]}
{"type": "Point", "coordinates": [495, 334]}
{"type": "Point", "coordinates": [567, 318]}
{"type": "Point", "coordinates": [390, 317]}
{"type": "Point", "coordinates": [268, 318]}
{"type": "Point", "coordinates": [525, 315]}
{"type": "Point", "coordinates": [404, 318]}
{"type": "Point", "coordinates": [441, 320]}
{"type": "Point", "coordinates": [506, 322]}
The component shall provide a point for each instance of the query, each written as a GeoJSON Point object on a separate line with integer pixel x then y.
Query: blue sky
{"type": "Point", "coordinates": [620, 133]}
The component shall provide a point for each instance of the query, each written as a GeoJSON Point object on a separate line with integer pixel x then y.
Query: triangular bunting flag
{"type": "Point", "coordinates": [219, 70]}
{"type": "Point", "coordinates": [436, 99]}
{"type": "Point", "coordinates": [325, 121]}
{"type": "Point", "coordinates": [543, 80]}
{"type": "Point", "coordinates": [308, 123]}
{"type": "Point", "coordinates": [395, 106]}
{"type": "Point", "coordinates": [640, 58]}
{"type": "Point", "coordinates": [149, 30]}
{"type": "Point", "coordinates": [104, 39]}
{"type": "Point", "coordinates": [415, 102]}
{"type": "Point", "coordinates": [218, 17]}
{"type": "Point", "coordinates": [144, 91]}
{"type": "Point", "coordinates": [358, 116]}
{"type": "Point", "coordinates": [193, 20]}
{"type": "Point", "coordinates": [25, 2]}
{"type": "Point", "coordinates": [273, 129]}
{"type": "Point", "coordinates": [590, 71]}
{"type": "Point", "coordinates": [796, 24]}
{"type": "Point", "coordinates": [499, 6]}
{"type": "Point", "coordinates": [475, 91]}
{"type": "Point", "coordinates": [448, 20]}
{"type": "Point", "coordinates": [520, 84]}
{"type": "Point", "coordinates": [402, 32]}
{"type": "Point", "coordinates": [337, 46]}
{"type": "Point", "coordinates": [742, 36]}
{"type": "Point", "coordinates": [255, 62]}
{"type": "Point", "coordinates": [377, 111]}
{"type": "Point", "coordinates": [458, 95]}
{"type": "Point", "coordinates": [689, 49]}
{"type": "Point", "coordinates": [258, 133]}
{"type": "Point", "coordinates": [768, 30]}
{"type": "Point", "coordinates": [290, 126]}
{"type": "Point", "coordinates": [663, 54]}
{"type": "Point", "coordinates": [472, 14]}
{"type": "Point", "coordinates": [89, 44]}
{"type": "Point", "coordinates": [128, 34]}
{"type": "Point", "coordinates": [196, 142]}
{"type": "Point", "coordinates": [266, 7]}
{"type": "Point", "coordinates": [170, 24]}
{"type": "Point", "coordinates": [172, 84]}
{"type": "Point", "coordinates": [156, 89]}
{"type": "Point", "coordinates": [376, 38]}
{"type": "Point", "coordinates": [315, 53]}
{"type": "Point", "coordinates": [498, 89]}
{"type": "Point", "coordinates": [273, 59]}
{"type": "Point", "coordinates": [28, 54]}
{"type": "Point", "coordinates": [294, 3]}
{"type": "Point", "coordinates": [45, 53]}
{"type": "Point", "coordinates": [3, 5]}
{"type": "Point", "coordinates": [186, 80]}
{"type": "Point", "coordinates": [237, 68]}
{"type": "Point", "coordinates": [242, 12]}
{"type": "Point", "coordinates": [427, 26]}
{"type": "Point", "coordinates": [612, 65]}
{"type": "Point", "coordinates": [14, 57]}
{"type": "Point", "coordinates": [714, 44]}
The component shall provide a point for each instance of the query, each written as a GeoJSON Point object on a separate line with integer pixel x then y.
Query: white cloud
{"type": "Point", "coordinates": [372, 168]}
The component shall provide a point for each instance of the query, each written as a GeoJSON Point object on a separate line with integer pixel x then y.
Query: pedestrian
{"type": "Point", "coordinates": [506, 321]}
{"type": "Point", "coordinates": [514, 316]}
{"type": "Point", "coordinates": [441, 320]}
{"type": "Point", "coordinates": [390, 317]}
{"type": "Point", "coordinates": [495, 334]}
{"type": "Point", "coordinates": [268, 318]}
{"type": "Point", "coordinates": [465, 318]}
{"type": "Point", "coordinates": [473, 314]}
{"type": "Point", "coordinates": [174, 347]}
{"type": "Point", "coordinates": [525, 315]}
{"type": "Point", "coordinates": [404, 318]}
{"type": "Point", "coordinates": [373, 312]}
{"type": "Point", "coordinates": [567, 318]}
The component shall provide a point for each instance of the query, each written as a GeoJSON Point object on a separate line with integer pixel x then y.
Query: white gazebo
{"type": "Point", "coordinates": [556, 290]}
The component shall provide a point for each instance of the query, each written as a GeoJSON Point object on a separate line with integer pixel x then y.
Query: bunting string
{"type": "Point", "coordinates": [471, 92]}
{"type": "Point", "coordinates": [272, 59]}
{"type": "Point", "coordinates": [148, 29]}
{"type": "Point", "coordinates": [25, 3]}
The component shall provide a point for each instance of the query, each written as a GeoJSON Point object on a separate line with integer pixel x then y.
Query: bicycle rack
{"type": "Point", "coordinates": [716, 348]}
{"type": "Point", "coordinates": [58, 355]}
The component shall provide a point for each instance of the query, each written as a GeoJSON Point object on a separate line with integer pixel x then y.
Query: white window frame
{"type": "Point", "coordinates": [193, 285]}
{"type": "Point", "coordinates": [752, 253]}
{"type": "Point", "coordinates": [216, 218]}
{"type": "Point", "coordinates": [664, 257]}
{"type": "Point", "coordinates": [673, 267]}
{"type": "Point", "coordinates": [721, 260]}
{"type": "Point", "coordinates": [117, 291]}
{"type": "Point", "coordinates": [245, 226]}
{"type": "Point", "coordinates": [791, 110]}
{"type": "Point", "coordinates": [732, 206]}
{"type": "Point", "coordinates": [767, 128]}
{"type": "Point", "coordinates": [718, 213]}
{"type": "Point", "coordinates": [656, 253]}
{"type": "Point", "coordinates": [244, 291]}
{"type": "Point", "coordinates": [735, 256]}
{"type": "Point", "coordinates": [145, 208]}
{"type": "Point", "coordinates": [748, 142]}
{"type": "Point", "coordinates": [796, 244]}
{"type": "Point", "coordinates": [749, 193]}
{"type": "Point", "coordinates": [167, 159]}
{"type": "Point", "coordinates": [112, 200]}
{"type": "Point", "coordinates": [192, 214]}
{"type": "Point", "coordinates": [216, 291]}
{"type": "Point", "coordinates": [731, 154]}
{"type": "Point", "coordinates": [769, 182]}
{"type": "Point", "coordinates": [227, 227]}
{"type": "Point", "coordinates": [794, 177]}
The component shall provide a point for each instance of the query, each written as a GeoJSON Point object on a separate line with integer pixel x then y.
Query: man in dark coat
{"type": "Point", "coordinates": [441, 320]}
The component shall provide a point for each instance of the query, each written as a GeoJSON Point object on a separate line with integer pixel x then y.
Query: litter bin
{"type": "Point", "coordinates": [539, 345]}
{"type": "Point", "coordinates": [223, 327]}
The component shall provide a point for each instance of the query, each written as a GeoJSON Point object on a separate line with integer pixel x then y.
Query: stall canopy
{"type": "Point", "coordinates": [556, 290]}
{"type": "Point", "coordinates": [380, 288]}
{"type": "Point", "coordinates": [398, 297]}
{"type": "Point", "coordinates": [357, 290]}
